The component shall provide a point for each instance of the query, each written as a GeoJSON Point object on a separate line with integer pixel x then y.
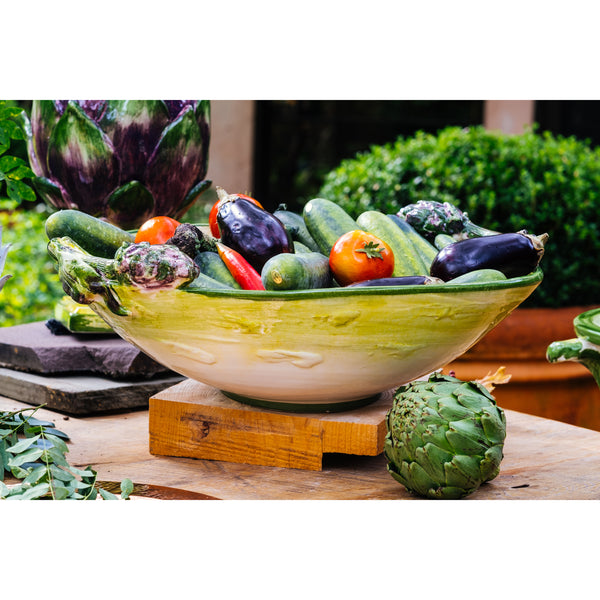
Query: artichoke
{"type": "Point", "coordinates": [3, 253]}
{"type": "Point", "coordinates": [431, 218]}
{"type": "Point", "coordinates": [154, 266]}
{"type": "Point", "coordinates": [122, 160]}
{"type": "Point", "coordinates": [445, 437]}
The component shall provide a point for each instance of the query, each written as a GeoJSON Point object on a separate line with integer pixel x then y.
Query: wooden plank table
{"type": "Point", "coordinates": [544, 460]}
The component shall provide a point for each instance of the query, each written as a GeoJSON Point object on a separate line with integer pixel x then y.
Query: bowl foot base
{"type": "Point", "coordinates": [325, 407]}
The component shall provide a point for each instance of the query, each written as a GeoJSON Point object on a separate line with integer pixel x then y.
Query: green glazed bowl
{"type": "Point", "coordinates": [585, 348]}
{"type": "Point", "coordinates": [312, 350]}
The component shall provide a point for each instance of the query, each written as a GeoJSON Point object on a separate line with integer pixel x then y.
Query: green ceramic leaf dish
{"type": "Point", "coordinates": [585, 348]}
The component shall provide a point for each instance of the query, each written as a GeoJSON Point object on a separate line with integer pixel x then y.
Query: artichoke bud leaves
{"type": "Point", "coordinates": [87, 278]}
{"type": "Point", "coordinates": [444, 437]}
{"type": "Point", "coordinates": [84, 277]}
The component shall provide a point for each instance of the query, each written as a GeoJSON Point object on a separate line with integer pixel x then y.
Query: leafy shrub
{"type": "Point", "coordinates": [32, 291]}
{"type": "Point", "coordinates": [539, 182]}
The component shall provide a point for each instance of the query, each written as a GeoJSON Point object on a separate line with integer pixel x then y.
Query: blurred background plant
{"type": "Point", "coordinates": [32, 290]}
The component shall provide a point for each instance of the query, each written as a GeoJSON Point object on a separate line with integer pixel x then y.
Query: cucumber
{"type": "Point", "coordinates": [407, 261]}
{"type": "Point", "coordinates": [95, 236]}
{"type": "Point", "coordinates": [326, 222]}
{"type": "Point", "coordinates": [205, 282]}
{"type": "Point", "coordinates": [295, 224]}
{"type": "Point", "coordinates": [212, 265]}
{"type": "Point", "coordinates": [442, 240]}
{"type": "Point", "coordinates": [300, 248]}
{"type": "Point", "coordinates": [426, 250]}
{"type": "Point", "coordinates": [79, 318]}
{"type": "Point", "coordinates": [303, 271]}
{"type": "Point", "coordinates": [479, 276]}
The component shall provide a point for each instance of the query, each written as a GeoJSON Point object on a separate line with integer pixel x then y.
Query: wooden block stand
{"type": "Point", "coordinates": [195, 420]}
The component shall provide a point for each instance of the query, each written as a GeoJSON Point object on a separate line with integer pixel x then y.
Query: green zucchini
{"type": "Point", "coordinates": [442, 240]}
{"type": "Point", "coordinates": [303, 271]}
{"type": "Point", "coordinates": [95, 236]}
{"type": "Point", "coordinates": [426, 250]}
{"type": "Point", "coordinates": [295, 224]}
{"type": "Point", "coordinates": [205, 282]}
{"type": "Point", "coordinates": [326, 222]}
{"type": "Point", "coordinates": [212, 265]}
{"type": "Point", "coordinates": [300, 248]}
{"type": "Point", "coordinates": [478, 276]}
{"type": "Point", "coordinates": [79, 318]}
{"type": "Point", "coordinates": [407, 261]}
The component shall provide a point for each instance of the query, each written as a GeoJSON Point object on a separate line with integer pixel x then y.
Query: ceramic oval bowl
{"type": "Point", "coordinates": [312, 350]}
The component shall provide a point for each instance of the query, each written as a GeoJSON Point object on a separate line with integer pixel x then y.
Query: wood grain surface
{"type": "Point", "coordinates": [544, 460]}
{"type": "Point", "coordinates": [195, 420]}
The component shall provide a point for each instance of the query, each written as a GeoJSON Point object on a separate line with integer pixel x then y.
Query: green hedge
{"type": "Point", "coordinates": [534, 181]}
{"type": "Point", "coordinates": [32, 291]}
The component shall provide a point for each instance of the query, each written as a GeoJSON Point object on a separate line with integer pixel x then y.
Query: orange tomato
{"type": "Point", "coordinates": [359, 256]}
{"type": "Point", "coordinates": [156, 230]}
{"type": "Point", "coordinates": [212, 217]}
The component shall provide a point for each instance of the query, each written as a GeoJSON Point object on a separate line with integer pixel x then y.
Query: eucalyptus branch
{"type": "Point", "coordinates": [34, 452]}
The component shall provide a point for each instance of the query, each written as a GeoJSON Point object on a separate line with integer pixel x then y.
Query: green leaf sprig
{"type": "Point", "coordinates": [13, 170]}
{"type": "Point", "coordinates": [34, 452]}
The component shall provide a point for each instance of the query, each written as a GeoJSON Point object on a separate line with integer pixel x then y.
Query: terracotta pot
{"type": "Point", "coordinates": [564, 392]}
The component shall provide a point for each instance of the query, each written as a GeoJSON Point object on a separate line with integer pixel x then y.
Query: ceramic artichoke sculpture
{"type": "Point", "coordinates": [123, 160]}
{"type": "Point", "coordinates": [3, 253]}
{"type": "Point", "coordinates": [445, 437]}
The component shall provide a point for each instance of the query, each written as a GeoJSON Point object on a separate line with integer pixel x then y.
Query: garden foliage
{"type": "Point", "coordinates": [533, 181]}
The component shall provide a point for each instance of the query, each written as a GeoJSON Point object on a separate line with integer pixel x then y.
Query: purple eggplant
{"type": "Point", "coordinates": [395, 281]}
{"type": "Point", "coordinates": [514, 254]}
{"type": "Point", "coordinates": [252, 231]}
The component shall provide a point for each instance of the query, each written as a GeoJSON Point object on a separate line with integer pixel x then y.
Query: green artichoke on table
{"type": "Point", "coordinates": [445, 437]}
{"type": "Point", "coordinates": [122, 160]}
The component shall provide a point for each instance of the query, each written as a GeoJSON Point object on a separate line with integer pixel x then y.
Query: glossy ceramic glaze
{"type": "Point", "coordinates": [587, 325]}
{"type": "Point", "coordinates": [312, 349]}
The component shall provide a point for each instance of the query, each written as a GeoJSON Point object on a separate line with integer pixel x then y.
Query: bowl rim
{"type": "Point", "coordinates": [532, 279]}
{"type": "Point", "coordinates": [584, 326]}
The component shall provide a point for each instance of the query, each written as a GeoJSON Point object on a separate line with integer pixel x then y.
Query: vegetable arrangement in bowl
{"type": "Point", "coordinates": [306, 312]}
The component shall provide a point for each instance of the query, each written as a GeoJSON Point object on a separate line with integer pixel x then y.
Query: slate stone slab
{"type": "Point", "coordinates": [81, 395]}
{"type": "Point", "coordinates": [33, 348]}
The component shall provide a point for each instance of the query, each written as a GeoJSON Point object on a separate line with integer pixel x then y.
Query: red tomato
{"type": "Point", "coordinates": [212, 217]}
{"type": "Point", "coordinates": [359, 256]}
{"type": "Point", "coordinates": [157, 230]}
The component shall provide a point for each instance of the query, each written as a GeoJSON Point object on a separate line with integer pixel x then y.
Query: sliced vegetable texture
{"type": "Point", "coordinates": [123, 160]}
{"type": "Point", "coordinates": [156, 230]}
{"type": "Point", "coordinates": [358, 256]}
{"type": "Point", "coordinates": [514, 254]}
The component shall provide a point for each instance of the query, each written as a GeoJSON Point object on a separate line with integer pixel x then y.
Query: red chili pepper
{"type": "Point", "coordinates": [243, 272]}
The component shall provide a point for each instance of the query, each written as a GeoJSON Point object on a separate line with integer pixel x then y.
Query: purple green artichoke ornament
{"type": "Point", "coordinates": [122, 160]}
